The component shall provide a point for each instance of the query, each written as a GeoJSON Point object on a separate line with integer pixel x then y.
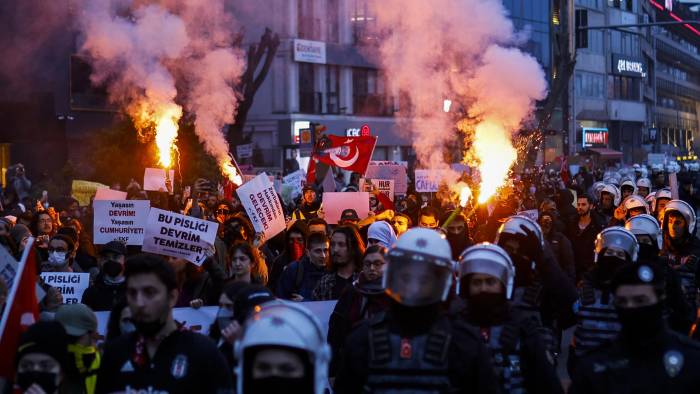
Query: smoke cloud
{"type": "Point", "coordinates": [160, 57]}
{"type": "Point", "coordinates": [465, 51]}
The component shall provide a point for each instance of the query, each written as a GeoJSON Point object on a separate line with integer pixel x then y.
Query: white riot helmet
{"type": "Point", "coordinates": [597, 188]}
{"type": "Point", "coordinates": [644, 182]}
{"type": "Point", "coordinates": [661, 193]}
{"type": "Point", "coordinates": [612, 189]}
{"type": "Point", "coordinates": [635, 202]}
{"type": "Point", "coordinates": [286, 325]}
{"type": "Point", "coordinates": [629, 183]}
{"type": "Point", "coordinates": [512, 226]}
{"type": "Point", "coordinates": [616, 240]}
{"type": "Point", "coordinates": [684, 209]}
{"type": "Point", "coordinates": [420, 268]}
{"type": "Point", "coordinates": [489, 259]}
{"type": "Point", "coordinates": [651, 201]}
{"type": "Point", "coordinates": [645, 225]}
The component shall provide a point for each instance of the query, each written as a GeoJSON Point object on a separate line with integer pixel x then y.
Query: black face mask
{"type": "Point", "coordinates": [607, 267]}
{"type": "Point", "coordinates": [641, 324]}
{"type": "Point", "coordinates": [149, 329]}
{"type": "Point", "coordinates": [46, 380]}
{"type": "Point", "coordinates": [648, 252]}
{"type": "Point", "coordinates": [458, 242]}
{"type": "Point", "coordinates": [112, 268]}
{"type": "Point", "coordinates": [280, 385]}
{"type": "Point", "coordinates": [486, 309]}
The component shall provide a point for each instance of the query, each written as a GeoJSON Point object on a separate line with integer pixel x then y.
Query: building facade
{"type": "Point", "coordinates": [634, 87]}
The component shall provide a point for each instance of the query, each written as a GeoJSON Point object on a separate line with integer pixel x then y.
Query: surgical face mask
{"type": "Point", "coordinates": [57, 258]}
{"type": "Point", "coordinates": [224, 318]}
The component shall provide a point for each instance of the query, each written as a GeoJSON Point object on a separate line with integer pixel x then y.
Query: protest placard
{"type": "Point", "coordinates": [263, 206]}
{"type": "Point", "coordinates": [673, 185]}
{"type": "Point", "coordinates": [296, 180]}
{"type": "Point", "coordinates": [176, 235]}
{"type": "Point", "coordinates": [335, 203]}
{"type": "Point", "coordinates": [121, 220]}
{"type": "Point", "coordinates": [385, 186]}
{"type": "Point", "coordinates": [154, 179]}
{"type": "Point", "coordinates": [389, 170]}
{"type": "Point", "coordinates": [428, 181]}
{"type": "Point", "coordinates": [8, 267]}
{"type": "Point", "coordinates": [72, 285]}
{"type": "Point", "coordinates": [83, 191]}
{"type": "Point", "coordinates": [109, 194]}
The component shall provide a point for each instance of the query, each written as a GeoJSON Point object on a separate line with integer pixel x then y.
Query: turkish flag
{"type": "Point", "coordinates": [348, 153]}
{"type": "Point", "coordinates": [23, 311]}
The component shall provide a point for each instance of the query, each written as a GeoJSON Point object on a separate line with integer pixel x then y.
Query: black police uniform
{"type": "Point", "coordinates": [185, 362]}
{"type": "Point", "coordinates": [521, 358]}
{"type": "Point", "coordinates": [668, 364]}
{"type": "Point", "coordinates": [440, 355]}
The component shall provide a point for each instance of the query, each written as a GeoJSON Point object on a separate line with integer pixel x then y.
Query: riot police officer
{"type": "Point", "coordinates": [522, 361]}
{"type": "Point", "coordinates": [646, 357]}
{"type": "Point", "coordinates": [282, 349]}
{"type": "Point", "coordinates": [541, 287]}
{"type": "Point", "coordinates": [415, 347]}
{"type": "Point", "coordinates": [680, 246]}
{"type": "Point", "coordinates": [648, 233]}
{"type": "Point", "coordinates": [596, 316]}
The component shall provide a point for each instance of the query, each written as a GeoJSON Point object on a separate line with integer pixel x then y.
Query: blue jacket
{"type": "Point", "coordinates": [287, 283]}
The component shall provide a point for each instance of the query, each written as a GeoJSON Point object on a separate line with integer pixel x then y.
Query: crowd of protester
{"type": "Point", "coordinates": [474, 304]}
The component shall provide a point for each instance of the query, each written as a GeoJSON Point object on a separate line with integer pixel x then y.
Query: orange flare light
{"type": "Point", "coordinates": [496, 155]}
{"type": "Point", "coordinates": [464, 196]}
{"type": "Point", "coordinates": [230, 172]}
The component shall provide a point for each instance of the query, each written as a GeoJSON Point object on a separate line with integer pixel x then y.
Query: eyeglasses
{"type": "Point", "coordinates": [50, 249]}
{"type": "Point", "coordinates": [378, 264]}
{"type": "Point", "coordinates": [223, 211]}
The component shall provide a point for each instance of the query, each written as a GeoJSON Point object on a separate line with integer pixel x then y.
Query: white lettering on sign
{"type": "Point", "coordinates": [262, 205]}
{"type": "Point", "coordinates": [597, 137]}
{"type": "Point", "coordinates": [624, 65]}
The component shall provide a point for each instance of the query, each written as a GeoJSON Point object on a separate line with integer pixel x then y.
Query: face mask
{"type": "Point", "coordinates": [45, 380]}
{"type": "Point", "coordinates": [112, 268]}
{"type": "Point", "coordinates": [224, 318]}
{"type": "Point", "coordinates": [648, 252]}
{"type": "Point", "coordinates": [149, 329]}
{"type": "Point", "coordinates": [641, 324]}
{"type": "Point", "coordinates": [280, 385]}
{"type": "Point", "coordinates": [127, 327]}
{"type": "Point", "coordinates": [297, 250]}
{"type": "Point", "coordinates": [608, 266]}
{"type": "Point", "coordinates": [57, 258]}
{"type": "Point", "coordinates": [486, 308]}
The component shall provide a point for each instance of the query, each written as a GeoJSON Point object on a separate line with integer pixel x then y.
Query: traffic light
{"type": "Point", "coordinates": [581, 34]}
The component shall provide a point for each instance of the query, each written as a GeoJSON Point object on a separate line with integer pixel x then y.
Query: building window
{"type": "Point", "coordinates": [308, 27]}
{"type": "Point", "coordinates": [362, 22]}
{"type": "Point", "coordinates": [627, 5]}
{"type": "Point", "coordinates": [332, 89]}
{"type": "Point", "coordinates": [623, 88]}
{"type": "Point", "coordinates": [625, 43]}
{"type": "Point", "coordinates": [332, 21]}
{"type": "Point", "coordinates": [589, 85]}
{"type": "Point", "coordinates": [308, 97]}
{"type": "Point", "coordinates": [368, 93]}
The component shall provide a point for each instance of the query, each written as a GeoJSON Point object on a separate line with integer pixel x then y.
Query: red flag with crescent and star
{"type": "Point", "coordinates": [348, 153]}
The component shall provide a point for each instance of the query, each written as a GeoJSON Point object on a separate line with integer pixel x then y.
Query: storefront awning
{"type": "Point", "coordinates": [606, 153]}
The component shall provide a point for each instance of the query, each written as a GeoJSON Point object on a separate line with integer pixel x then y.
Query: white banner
{"type": "Point", "coordinates": [176, 235]}
{"type": "Point", "coordinates": [154, 179]}
{"type": "Point", "coordinates": [120, 220]}
{"type": "Point", "coordinates": [296, 180]}
{"type": "Point", "coordinates": [428, 181]}
{"type": "Point", "coordinates": [244, 151]}
{"type": "Point", "coordinates": [199, 320]}
{"type": "Point", "coordinates": [264, 209]}
{"type": "Point", "coordinates": [72, 285]}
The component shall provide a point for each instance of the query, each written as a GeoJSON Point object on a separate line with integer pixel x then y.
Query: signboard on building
{"type": "Point", "coordinates": [628, 66]}
{"type": "Point", "coordinates": [310, 51]}
{"type": "Point", "coordinates": [358, 132]}
{"type": "Point", "coordinates": [244, 151]}
{"type": "Point", "coordinates": [595, 137]}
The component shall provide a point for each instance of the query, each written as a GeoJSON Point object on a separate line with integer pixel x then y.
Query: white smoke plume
{"type": "Point", "coordinates": [465, 51]}
{"type": "Point", "coordinates": [157, 57]}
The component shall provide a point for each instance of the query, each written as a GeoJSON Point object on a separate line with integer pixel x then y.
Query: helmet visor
{"type": "Point", "coordinates": [417, 282]}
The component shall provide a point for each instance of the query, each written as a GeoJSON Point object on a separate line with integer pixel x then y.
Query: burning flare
{"type": "Point", "coordinates": [464, 196]}
{"type": "Point", "coordinates": [230, 172]}
{"type": "Point", "coordinates": [161, 121]}
{"type": "Point", "coordinates": [496, 154]}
